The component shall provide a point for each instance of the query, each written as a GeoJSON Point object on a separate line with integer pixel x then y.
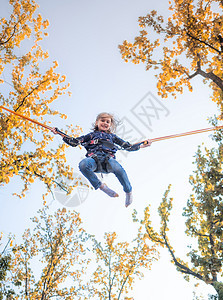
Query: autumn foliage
{"type": "Point", "coordinates": [57, 258]}
{"type": "Point", "coordinates": [186, 44]}
{"type": "Point", "coordinates": [203, 220]}
{"type": "Point", "coordinates": [29, 84]}
{"type": "Point", "coordinates": [119, 264]}
{"type": "Point", "coordinates": [50, 261]}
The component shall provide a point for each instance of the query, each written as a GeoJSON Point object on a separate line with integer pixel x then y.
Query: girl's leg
{"type": "Point", "coordinates": [120, 173]}
{"type": "Point", "coordinates": [87, 167]}
{"type": "Point", "coordinates": [128, 199]}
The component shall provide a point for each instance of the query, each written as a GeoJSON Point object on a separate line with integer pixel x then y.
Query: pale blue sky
{"type": "Point", "coordinates": [84, 38]}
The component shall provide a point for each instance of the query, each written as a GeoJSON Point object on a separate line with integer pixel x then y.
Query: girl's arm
{"type": "Point", "coordinates": [70, 140]}
{"type": "Point", "coordinates": [131, 147]}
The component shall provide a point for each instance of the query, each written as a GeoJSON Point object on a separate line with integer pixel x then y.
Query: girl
{"type": "Point", "coordinates": [101, 148]}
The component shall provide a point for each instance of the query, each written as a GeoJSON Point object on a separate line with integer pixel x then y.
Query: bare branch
{"type": "Point", "coordinates": [182, 268]}
{"type": "Point", "coordinates": [210, 75]}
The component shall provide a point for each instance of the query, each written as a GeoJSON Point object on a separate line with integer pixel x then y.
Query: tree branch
{"type": "Point", "coordinates": [221, 42]}
{"type": "Point", "coordinates": [13, 33]}
{"type": "Point", "coordinates": [203, 42]}
{"type": "Point", "coordinates": [32, 90]}
{"type": "Point", "coordinates": [182, 268]}
{"type": "Point", "coordinates": [210, 75]}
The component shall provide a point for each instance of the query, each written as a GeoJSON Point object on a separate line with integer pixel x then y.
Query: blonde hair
{"type": "Point", "coordinates": [114, 121]}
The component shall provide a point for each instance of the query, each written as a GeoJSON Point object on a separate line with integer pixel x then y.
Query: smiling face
{"type": "Point", "coordinates": [104, 124]}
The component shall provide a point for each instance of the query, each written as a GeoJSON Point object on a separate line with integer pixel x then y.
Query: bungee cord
{"type": "Point", "coordinates": [26, 118]}
{"type": "Point", "coordinates": [143, 142]}
{"type": "Point", "coordinates": [167, 137]}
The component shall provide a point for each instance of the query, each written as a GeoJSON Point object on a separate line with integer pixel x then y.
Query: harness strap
{"type": "Point", "coordinates": [102, 142]}
{"type": "Point", "coordinates": [102, 167]}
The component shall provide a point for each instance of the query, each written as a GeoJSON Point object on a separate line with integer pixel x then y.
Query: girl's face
{"type": "Point", "coordinates": [104, 124]}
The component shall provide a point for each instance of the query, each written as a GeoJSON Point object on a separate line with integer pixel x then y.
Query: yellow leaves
{"type": "Point", "coordinates": [58, 253]}
{"type": "Point", "coordinates": [119, 263]}
{"type": "Point", "coordinates": [31, 94]}
{"type": "Point", "coordinates": [188, 36]}
{"type": "Point", "coordinates": [140, 51]}
{"type": "Point", "coordinates": [45, 24]}
{"type": "Point", "coordinates": [55, 64]}
{"type": "Point", "coordinates": [153, 13]}
{"type": "Point", "coordinates": [17, 8]}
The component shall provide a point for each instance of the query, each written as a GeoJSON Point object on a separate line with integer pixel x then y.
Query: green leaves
{"type": "Point", "coordinates": [204, 218]}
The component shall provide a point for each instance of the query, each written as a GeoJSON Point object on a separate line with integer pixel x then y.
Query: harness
{"type": "Point", "coordinates": [105, 143]}
{"type": "Point", "coordinates": [100, 149]}
{"type": "Point", "coordinates": [101, 160]}
{"type": "Point", "coordinates": [102, 166]}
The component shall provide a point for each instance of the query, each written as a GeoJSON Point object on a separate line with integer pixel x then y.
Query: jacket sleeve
{"type": "Point", "coordinates": [126, 145]}
{"type": "Point", "coordinates": [77, 141]}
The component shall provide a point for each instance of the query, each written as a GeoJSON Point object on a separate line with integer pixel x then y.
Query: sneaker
{"type": "Point", "coordinates": [128, 199]}
{"type": "Point", "coordinates": [108, 191]}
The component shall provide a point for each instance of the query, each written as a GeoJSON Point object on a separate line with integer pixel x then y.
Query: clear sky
{"type": "Point", "coordinates": [84, 38]}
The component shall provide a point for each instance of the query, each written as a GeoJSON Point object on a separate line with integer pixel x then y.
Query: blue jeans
{"type": "Point", "coordinates": [88, 165]}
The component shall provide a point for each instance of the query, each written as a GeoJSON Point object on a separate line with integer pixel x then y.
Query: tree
{"type": "Point", "coordinates": [5, 264]}
{"type": "Point", "coordinates": [204, 220]}
{"type": "Point", "coordinates": [119, 263]}
{"type": "Point", "coordinates": [24, 147]}
{"type": "Point", "coordinates": [50, 262]}
{"type": "Point", "coordinates": [190, 43]}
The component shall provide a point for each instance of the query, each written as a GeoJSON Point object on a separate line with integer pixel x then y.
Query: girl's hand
{"type": "Point", "coordinates": [146, 143]}
{"type": "Point", "coordinates": [54, 130]}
